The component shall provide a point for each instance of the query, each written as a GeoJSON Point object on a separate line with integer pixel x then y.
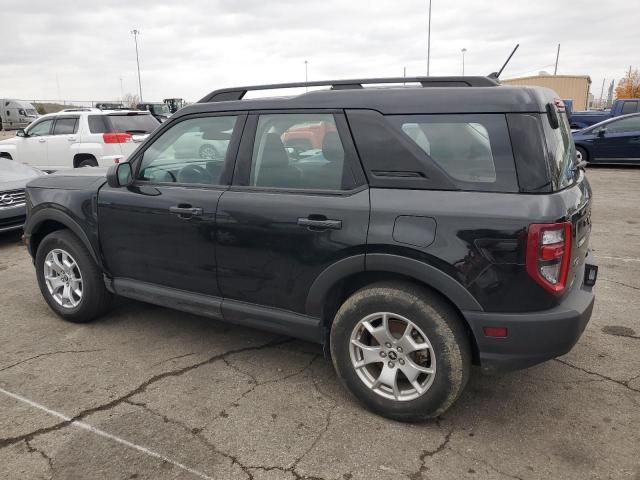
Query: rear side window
{"type": "Point", "coordinates": [629, 107]}
{"type": "Point", "coordinates": [562, 151]}
{"type": "Point", "coordinates": [65, 126]}
{"type": "Point", "coordinates": [473, 149]}
{"type": "Point", "coordinates": [96, 124]}
{"type": "Point", "coordinates": [136, 123]}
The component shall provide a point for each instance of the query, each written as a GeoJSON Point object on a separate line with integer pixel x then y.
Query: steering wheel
{"type": "Point", "coordinates": [194, 174]}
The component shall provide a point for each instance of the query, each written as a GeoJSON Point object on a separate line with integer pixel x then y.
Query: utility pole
{"type": "Point", "coordinates": [404, 75]}
{"type": "Point", "coordinates": [429, 42]}
{"type": "Point", "coordinates": [135, 32]}
{"type": "Point", "coordinates": [306, 74]}
{"type": "Point", "coordinates": [464, 50]}
{"type": "Point", "coordinates": [601, 93]}
{"type": "Point", "coordinates": [121, 91]}
{"type": "Point", "coordinates": [555, 71]}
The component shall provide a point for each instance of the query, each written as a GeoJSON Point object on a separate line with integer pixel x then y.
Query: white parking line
{"type": "Point", "coordinates": [102, 433]}
{"type": "Point", "coordinates": [622, 259]}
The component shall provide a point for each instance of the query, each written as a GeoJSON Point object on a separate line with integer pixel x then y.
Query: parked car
{"type": "Point", "coordinates": [15, 114]}
{"type": "Point", "coordinates": [580, 120]}
{"type": "Point", "coordinates": [430, 236]}
{"type": "Point", "coordinates": [614, 141]}
{"type": "Point", "coordinates": [79, 137]}
{"type": "Point", "coordinates": [160, 111]}
{"type": "Point", "coordinates": [13, 179]}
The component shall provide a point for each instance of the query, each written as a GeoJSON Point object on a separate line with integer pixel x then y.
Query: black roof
{"type": "Point", "coordinates": [467, 95]}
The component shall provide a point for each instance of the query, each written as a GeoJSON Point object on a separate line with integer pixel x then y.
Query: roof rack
{"type": "Point", "coordinates": [79, 109]}
{"type": "Point", "coordinates": [237, 93]}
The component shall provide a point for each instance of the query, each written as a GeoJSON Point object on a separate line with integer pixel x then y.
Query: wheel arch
{"type": "Point", "coordinates": [80, 157]}
{"type": "Point", "coordinates": [49, 220]}
{"type": "Point", "coordinates": [336, 283]}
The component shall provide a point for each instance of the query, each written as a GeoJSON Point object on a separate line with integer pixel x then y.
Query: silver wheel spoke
{"type": "Point", "coordinates": [63, 278]}
{"type": "Point", "coordinates": [408, 344]}
{"type": "Point", "coordinates": [389, 377]}
{"type": "Point", "coordinates": [412, 370]}
{"type": "Point", "coordinates": [369, 354]}
{"type": "Point", "coordinates": [381, 333]}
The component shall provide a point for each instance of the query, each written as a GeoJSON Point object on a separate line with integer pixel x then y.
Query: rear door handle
{"type": "Point", "coordinates": [71, 139]}
{"type": "Point", "coordinates": [320, 223]}
{"type": "Point", "coordinates": [42, 140]}
{"type": "Point", "coordinates": [184, 211]}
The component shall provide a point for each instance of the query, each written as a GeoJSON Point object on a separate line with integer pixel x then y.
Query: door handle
{"type": "Point", "coordinates": [71, 139]}
{"type": "Point", "coordinates": [184, 211]}
{"type": "Point", "coordinates": [42, 140]}
{"type": "Point", "coordinates": [319, 222]}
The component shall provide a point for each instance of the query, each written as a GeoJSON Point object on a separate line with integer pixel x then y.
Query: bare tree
{"type": "Point", "coordinates": [130, 100]}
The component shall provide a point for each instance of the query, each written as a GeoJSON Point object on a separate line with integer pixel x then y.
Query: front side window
{"type": "Point", "coordinates": [624, 125]}
{"type": "Point", "coordinates": [192, 151]}
{"type": "Point", "coordinates": [40, 129]}
{"type": "Point", "coordinates": [299, 151]}
{"type": "Point", "coordinates": [65, 126]}
{"type": "Point", "coordinates": [473, 149]}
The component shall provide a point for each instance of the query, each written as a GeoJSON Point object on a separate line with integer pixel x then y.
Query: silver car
{"type": "Point", "coordinates": [14, 176]}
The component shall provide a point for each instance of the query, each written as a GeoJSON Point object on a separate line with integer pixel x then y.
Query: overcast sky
{"type": "Point", "coordinates": [190, 47]}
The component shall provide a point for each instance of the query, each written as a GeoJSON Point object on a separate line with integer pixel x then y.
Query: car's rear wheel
{"type": "Point", "coordinates": [401, 350]}
{"type": "Point", "coordinates": [582, 154]}
{"type": "Point", "coordinates": [89, 162]}
{"type": "Point", "coordinates": [69, 279]}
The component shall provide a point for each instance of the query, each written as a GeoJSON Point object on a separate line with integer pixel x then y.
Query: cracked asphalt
{"type": "Point", "coordinates": [149, 393]}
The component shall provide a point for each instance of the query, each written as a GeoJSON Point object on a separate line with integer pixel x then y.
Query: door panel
{"type": "Point", "coordinates": [143, 240]}
{"type": "Point", "coordinates": [59, 151]}
{"type": "Point", "coordinates": [33, 148]}
{"type": "Point", "coordinates": [268, 255]}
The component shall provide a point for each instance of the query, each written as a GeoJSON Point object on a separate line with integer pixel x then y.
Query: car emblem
{"type": "Point", "coordinates": [6, 199]}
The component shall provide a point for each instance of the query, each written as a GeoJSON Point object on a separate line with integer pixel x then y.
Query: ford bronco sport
{"type": "Point", "coordinates": [441, 224]}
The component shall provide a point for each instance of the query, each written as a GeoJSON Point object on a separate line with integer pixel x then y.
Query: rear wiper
{"type": "Point", "coordinates": [136, 131]}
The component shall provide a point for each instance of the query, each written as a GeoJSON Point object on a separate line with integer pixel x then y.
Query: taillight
{"type": "Point", "coordinates": [549, 254]}
{"type": "Point", "coordinates": [116, 137]}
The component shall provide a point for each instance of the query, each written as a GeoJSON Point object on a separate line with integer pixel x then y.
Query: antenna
{"type": "Point", "coordinates": [497, 74]}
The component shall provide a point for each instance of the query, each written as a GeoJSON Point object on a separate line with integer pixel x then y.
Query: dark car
{"type": "Point", "coordinates": [160, 111]}
{"type": "Point", "coordinates": [436, 228]}
{"type": "Point", "coordinates": [13, 180]}
{"type": "Point", "coordinates": [614, 141]}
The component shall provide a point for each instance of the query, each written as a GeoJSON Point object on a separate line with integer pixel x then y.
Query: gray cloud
{"type": "Point", "coordinates": [189, 48]}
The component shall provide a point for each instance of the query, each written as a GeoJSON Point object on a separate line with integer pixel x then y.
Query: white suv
{"type": "Point", "coordinates": [79, 137]}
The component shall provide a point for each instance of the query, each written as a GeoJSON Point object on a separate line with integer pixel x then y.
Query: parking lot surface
{"type": "Point", "coordinates": [150, 393]}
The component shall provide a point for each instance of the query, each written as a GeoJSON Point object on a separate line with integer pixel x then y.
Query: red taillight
{"type": "Point", "coordinates": [116, 137]}
{"type": "Point", "coordinates": [549, 254]}
{"type": "Point", "coordinates": [496, 332]}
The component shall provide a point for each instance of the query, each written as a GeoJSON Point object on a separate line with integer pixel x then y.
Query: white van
{"type": "Point", "coordinates": [15, 114]}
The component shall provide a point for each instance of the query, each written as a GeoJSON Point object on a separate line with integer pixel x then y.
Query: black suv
{"type": "Point", "coordinates": [414, 230]}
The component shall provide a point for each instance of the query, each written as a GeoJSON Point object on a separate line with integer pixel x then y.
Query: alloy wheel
{"type": "Point", "coordinates": [63, 278]}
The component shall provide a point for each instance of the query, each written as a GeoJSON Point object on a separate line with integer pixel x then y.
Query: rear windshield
{"type": "Point", "coordinates": [562, 152]}
{"type": "Point", "coordinates": [473, 149]}
{"type": "Point", "coordinates": [136, 123]}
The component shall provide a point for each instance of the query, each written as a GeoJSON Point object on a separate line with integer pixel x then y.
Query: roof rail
{"type": "Point", "coordinates": [237, 93]}
{"type": "Point", "coordinates": [79, 109]}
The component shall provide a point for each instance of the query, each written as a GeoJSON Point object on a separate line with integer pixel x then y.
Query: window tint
{"type": "Point", "coordinates": [624, 125]}
{"type": "Point", "coordinates": [299, 151]}
{"type": "Point", "coordinates": [562, 152]}
{"type": "Point", "coordinates": [136, 123]}
{"type": "Point", "coordinates": [192, 151]}
{"type": "Point", "coordinates": [40, 129]}
{"type": "Point", "coordinates": [65, 126]}
{"type": "Point", "coordinates": [629, 107]}
{"type": "Point", "coordinates": [96, 124]}
{"type": "Point", "coordinates": [474, 150]}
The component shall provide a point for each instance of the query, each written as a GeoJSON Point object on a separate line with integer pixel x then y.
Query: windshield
{"type": "Point", "coordinates": [160, 109]}
{"type": "Point", "coordinates": [144, 123]}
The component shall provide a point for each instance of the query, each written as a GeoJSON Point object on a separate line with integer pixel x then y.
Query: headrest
{"type": "Point", "coordinates": [332, 147]}
{"type": "Point", "coordinates": [274, 153]}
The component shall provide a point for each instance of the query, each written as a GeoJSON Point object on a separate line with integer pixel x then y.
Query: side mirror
{"type": "Point", "coordinates": [602, 132]}
{"type": "Point", "coordinates": [21, 133]}
{"type": "Point", "coordinates": [120, 175]}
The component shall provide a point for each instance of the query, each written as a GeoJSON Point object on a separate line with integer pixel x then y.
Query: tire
{"type": "Point", "coordinates": [582, 154]}
{"type": "Point", "coordinates": [89, 162]}
{"type": "Point", "coordinates": [449, 356]}
{"type": "Point", "coordinates": [5, 155]}
{"type": "Point", "coordinates": [94, 299]}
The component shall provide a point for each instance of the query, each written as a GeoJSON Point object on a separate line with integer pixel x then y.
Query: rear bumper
{"type": "Point", "coordinates": [534, 337]}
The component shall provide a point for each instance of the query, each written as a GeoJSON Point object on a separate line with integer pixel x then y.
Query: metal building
{"type": "Point", "coordinates": [574, 87]}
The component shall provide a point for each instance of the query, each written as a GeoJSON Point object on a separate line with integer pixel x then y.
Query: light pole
{"type": "Point", "coordinates": [429, 41]}
{"type": "Point", "coordinates": [306, 74]}
{"type": "Point", "coordinates": [135, 32]}
{"type": "Point", "coordinates": [464, 50]}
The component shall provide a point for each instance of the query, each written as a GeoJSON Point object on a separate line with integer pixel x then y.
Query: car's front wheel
{"type": "Point", "coordinates": [401, 350]}
{"type": "Point", "coordinates": [69, 279]}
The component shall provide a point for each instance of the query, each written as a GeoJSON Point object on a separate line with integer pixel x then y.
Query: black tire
{"type": "Point", "coordinates": [441, 325]}
{"type": "Point", "coordinates": [5, 155]}
{"type": "Point", "coordinates": [89, 162]}
{"type": "Point", "coordinates": [95, 298]}
{"type": "Point", "coordinates": [583, 153]}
